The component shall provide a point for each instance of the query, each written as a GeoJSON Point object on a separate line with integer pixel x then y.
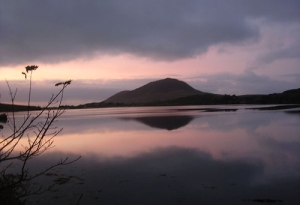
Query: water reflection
{"type": "Point", "coordinates": [170, 175]}
{"type": "Point", "coordinates": [163, 122]}
{"type": "Point", "coordinates": [170, 156]}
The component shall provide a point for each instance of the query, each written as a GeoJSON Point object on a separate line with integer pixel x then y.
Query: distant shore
{"type": "Point", "coordinates": [22, 108]}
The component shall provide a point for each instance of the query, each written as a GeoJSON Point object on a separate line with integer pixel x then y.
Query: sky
{"type": "Point", "coordinates": [218, 46]}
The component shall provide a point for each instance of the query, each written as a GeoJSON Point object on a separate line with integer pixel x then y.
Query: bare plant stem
{"type": "Point", "coordinates": [43, 134]}
{"type": "Point", "coordinates": [29, 93]}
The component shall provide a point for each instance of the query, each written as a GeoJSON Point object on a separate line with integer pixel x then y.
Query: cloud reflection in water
{"type": "Point", "coordinates": [168, 176]}
{"type": "Point", "coordinates": [206, 158]}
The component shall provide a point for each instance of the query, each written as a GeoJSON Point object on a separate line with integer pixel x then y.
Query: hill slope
{"type": "Point", "coordinates": [172, 92]}
{"type": "Point", "coordinates": [157, 91]}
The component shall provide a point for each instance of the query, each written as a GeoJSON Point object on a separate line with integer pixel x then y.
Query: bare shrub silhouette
{"type": "Point", "coordinates": [38, 130]}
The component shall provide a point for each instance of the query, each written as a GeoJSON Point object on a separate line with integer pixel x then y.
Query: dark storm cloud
{"type": "Point", "coordinates": [53, 31]}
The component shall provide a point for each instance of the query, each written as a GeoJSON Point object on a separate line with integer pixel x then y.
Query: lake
{"type": "Point", "coordinates": [175, 155]}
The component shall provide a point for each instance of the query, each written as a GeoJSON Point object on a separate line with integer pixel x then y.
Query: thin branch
{"type": "Point", "coordinates": [43, 140]}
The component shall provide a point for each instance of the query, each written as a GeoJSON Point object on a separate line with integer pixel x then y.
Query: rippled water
{"type": "Point", "coordinates": [175, 155]}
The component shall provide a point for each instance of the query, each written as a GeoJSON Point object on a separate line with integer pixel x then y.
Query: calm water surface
{"type": "Point", "coordinates": [175, 155]}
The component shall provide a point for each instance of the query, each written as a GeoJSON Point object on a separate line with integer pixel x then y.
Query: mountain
{"type": "Point", "coordinates": [173, 92]}
{"type": "Point", "coordinates": [155, 92]}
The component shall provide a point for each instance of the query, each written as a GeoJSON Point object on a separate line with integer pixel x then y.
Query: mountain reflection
{"type": "Point", "coordinates": [166, 176]}
{"type": "Point", "coordinates": [164, 122]}
{"type": "Point", "coordinates": [243, 157]}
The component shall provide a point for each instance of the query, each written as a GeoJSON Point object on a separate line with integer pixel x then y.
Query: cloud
{"type": "Point", "coordinates": [54, 31]}
{"type": "Point", "coordinates": [247, 82]}
{"type": "Point", "coordinates": [281, 43]}
{"type": "Point", "coordinates": [286, 52]}
{"type": "Point", "coordinates": [79, 92]}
